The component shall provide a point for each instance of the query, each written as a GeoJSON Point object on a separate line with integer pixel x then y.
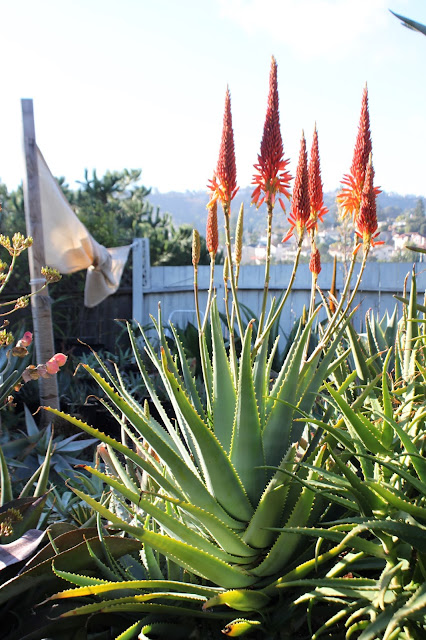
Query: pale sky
{"type": "Point", "coordinates": [141, 84]}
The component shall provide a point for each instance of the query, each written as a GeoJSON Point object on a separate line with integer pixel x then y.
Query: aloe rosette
{"type": "Point", "coordinates": [220, 476]}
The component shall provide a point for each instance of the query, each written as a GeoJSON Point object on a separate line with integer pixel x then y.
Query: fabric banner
{"type": "Point", "coordinates": [69, 247]}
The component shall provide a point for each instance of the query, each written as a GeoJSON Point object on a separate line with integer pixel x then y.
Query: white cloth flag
{"type": "Point", "coordinates": [69, 247]}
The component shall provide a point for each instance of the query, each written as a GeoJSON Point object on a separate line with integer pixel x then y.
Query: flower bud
{"type": "Point", "coordinates": [195, 247]}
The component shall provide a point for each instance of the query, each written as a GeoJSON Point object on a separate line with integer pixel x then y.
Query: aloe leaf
{"type": "Point", "coordinates": [82, 581]}
{"type": "Point", "coordinates": [117, 603]}
{"type": "Point", "coordinates": [387, 433]}
{"type": "Point", "coordinates": [149, 608]}
{"type": "Point", "coordinates": [269, 510]}
{"type": "Point", "coordinates": [286, 544]}
{"type": "Point", "coordinates": [284, 369]}
{"type": "Point", "coordinates": [359, 354]}
{"type": "Point", "coordinates": [314, 374]}
{"type": "Point", "coordinates": [130, 632]}
{"type": "Point", "coordinates": [179, 444]}
{"type": "Point", "coordinates": [187, 376]}
{"type": "Point", "coordinates": [358, 426]}
{"type": "Point", "coordinates": [418, 462]}
{"type": "Point", "coordinates": [239, 599]}
{"type": "Point", "coordinates": [43, 478]}
{"type": "Point", "coordinates": [347, 540]}
{"type": "Point", "coordinates": [396, 501]}
{"type": "Point", "coordinates": [120, 471]}
{"type": "Point", "coordinates": [5, 483]}
{"type": "Point", "coordinates": [365, 497]}
{"type": "Point", "coordinates": [103, 587]}
{"type": "Point", "coordinates": [227, 538]}
{"type": "Point", "coordinates": [197, 561]}
{"type": "Point", "coordinates": [411, 332]}
{"type": "Point", "coordinates": [224, 396]}
{"type": "Point", "coordinates": [152, 393]}
{"type": "Point", "coordinates": [239, 627]}
{"type": "Point", "coordinates": [165, 630]}
{"type": "Point", "coordinates": [262, 369]}
{"type": "Point", "coordinates": [126, 451]}
{"type": "Point", "coordinates": [279, 424]}
{"type": "Point", "coordinates": [188, 481]}
{"type": "Point", "coordinates": [416, 605]}
{"type": "Point", "coordinates": [246, 447]}
{"type": "Point", "coordinates": [170, 523]}
{"type": "Point", "coordinates": [220, 476]}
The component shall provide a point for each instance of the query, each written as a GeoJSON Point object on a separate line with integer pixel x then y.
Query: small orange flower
{"type": "Point", "coordinates": [271, 177]}
{"type": "Point", "coordinates": [316, 197]}
{"type": "Point", "coordinates": [300, 204]}
{"type": "Point", "coordinates": [366, 221]}
{"type": "Point", "coordinates": [349, 198]}
{"type": "Point", "coordinates": [224, 182]}
{"type": "Point", "coordinates": [212, 233]}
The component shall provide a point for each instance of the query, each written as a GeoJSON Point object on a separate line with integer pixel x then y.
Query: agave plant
{"type": "Point", "coordinates": [222, 492]}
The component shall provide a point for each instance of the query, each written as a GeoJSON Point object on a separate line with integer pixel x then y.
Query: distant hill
{"type": "Point", "coordinates": [189, 207]}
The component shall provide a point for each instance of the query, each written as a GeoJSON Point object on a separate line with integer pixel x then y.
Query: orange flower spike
{"type": "Point", "coordinates": [300, 204]}
{"type": "Point", "coordinates": [212, 232]}
{"type": "Point", "coordinates": [224, 182]}
{"type": "Point", "coordinates": [350, 196]}
{"type": "Point", "coordinates": [271, 177]}
{"type": "Point", "coordinates": [318, 210]}
{"type": "Point", "coordinates": [366, 222]}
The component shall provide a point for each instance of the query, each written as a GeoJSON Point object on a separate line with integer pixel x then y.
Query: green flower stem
{"type": "Point", "coordinates": [200, 333]}
{"type": "Point", "coordinates": [210, 294]}
{"type": "Point", "coordinates": [337, 317]}
{"type": "Point", "coordinates": [9, 273]}
{"type": "Point", "coordinates": [358, 280]}
{"type": "Point", "coordinates": [276, 315]}
{"type": "Point", "coordinates": [237, 275]}
{"type": "Point", "coordinates": [197, 304]}
{"type": "Point", "coordinates": [267, 270]}
{"type": "Point", "coordinates": [231, 271]}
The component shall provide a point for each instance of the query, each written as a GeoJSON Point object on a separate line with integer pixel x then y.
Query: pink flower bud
{"type": "Point", "coordinates": [26, 340]}
{"type": "Point", "coordinates": [52, 366]}
{"type": "Point", "coordinates": [60, 359]}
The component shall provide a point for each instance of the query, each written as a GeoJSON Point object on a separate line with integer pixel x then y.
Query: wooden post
{"type": "Point", "coordinates": [40, 303]}
{"type": "Point", "coordinates": [141, 279]}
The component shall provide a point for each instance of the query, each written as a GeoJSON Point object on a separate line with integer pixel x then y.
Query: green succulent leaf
{"type": "Point", "coordinates": [247, 447]}
{"type": "Point", "coordinates": [224, 395]}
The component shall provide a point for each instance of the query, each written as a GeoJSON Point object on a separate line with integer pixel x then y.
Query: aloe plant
{"type": "Point", "coordinates": [380, 474]}
{"type": "Point", "coordinates": [222, 493]}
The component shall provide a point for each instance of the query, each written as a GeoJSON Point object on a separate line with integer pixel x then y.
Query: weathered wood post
{"type": "Point", "coordinates": [40, 302]}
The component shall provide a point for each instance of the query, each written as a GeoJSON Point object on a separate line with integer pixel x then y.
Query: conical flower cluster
{"type": "Point", "coordinates": [271, 177]}
{"type": "Point", "coordinates": [349, 198]}
{"type": "Point", "coordinates": [315, 262]}
{"type": "Point", "coordinates": [212, 232]}
{"type": "Point", "coordinates": [300, 204]}
{"type": "Point", "coordinates": [316, 197]}
{"type": "Point", "coordinates": [366, 221]}
{"type": "Point", "coordinates": [224, 182]}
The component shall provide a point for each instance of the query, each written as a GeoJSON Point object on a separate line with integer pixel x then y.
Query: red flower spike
{"type": "Point", "coordinates": [349, 198]}
{"type": "Point", "coordinates": [315, 262]}
{"type": "Point", "coordinates": [318, 210]}
{"type": "Point", "coordinates": [271, 177]}
{"type": "Point", "coordinates": [366, 222]}
{"type": "Point", "coordinates": [224, 182]}
{"type": "Point", "coordinates": [212, 232]}
{"type": "Point", "coordinates": [300, 204]}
